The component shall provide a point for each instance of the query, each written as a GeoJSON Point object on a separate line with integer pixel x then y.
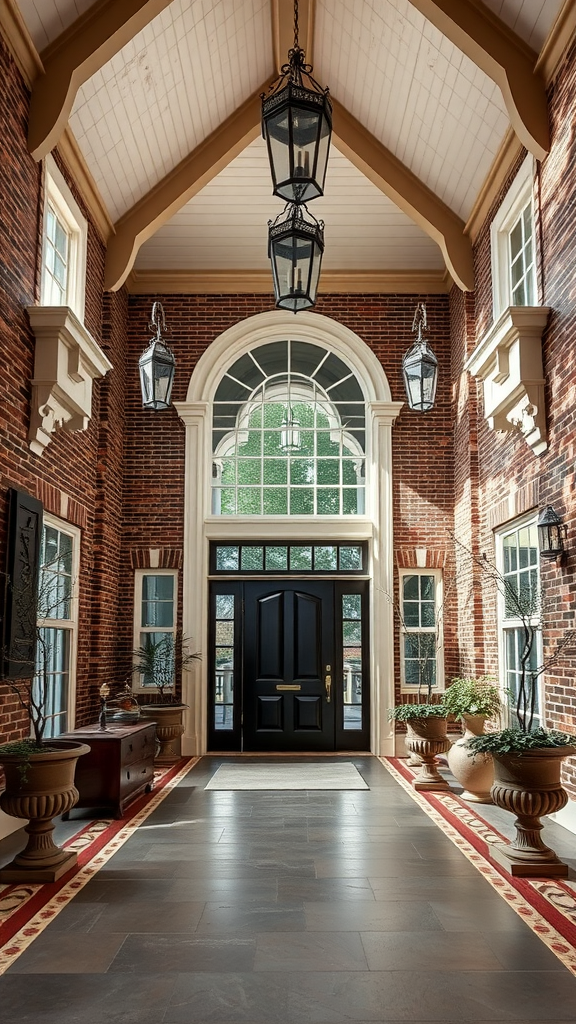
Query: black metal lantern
{"type": "Point", "coordinates": [420, 367]}
{"type": "Point", "coordinates": [295, 247]}
{"type": "Point", "coordinates": [297, 126]}
{"type": "Point", "coordinates": [157, 365]}
{"type": "Point", "coordinates": [551, 533]}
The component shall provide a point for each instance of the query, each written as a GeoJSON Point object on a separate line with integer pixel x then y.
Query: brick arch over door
{"type": "Point", "coordinates": [200, 526]}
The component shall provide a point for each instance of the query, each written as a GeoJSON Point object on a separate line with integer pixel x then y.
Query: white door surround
{"type": "Point", "coordinates": [201, 527]}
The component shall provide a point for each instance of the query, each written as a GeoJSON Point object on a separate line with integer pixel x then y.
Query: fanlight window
{"type": "Point", "coordinates": [289, 434]}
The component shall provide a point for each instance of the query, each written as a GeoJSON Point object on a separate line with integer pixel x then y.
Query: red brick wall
{"type": "Point", "coordinates": [506, 465]}
{"type": "Point", "coordinates": [81, 470]}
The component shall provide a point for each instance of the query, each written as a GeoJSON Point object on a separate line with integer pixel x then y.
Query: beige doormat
{"type": "Point", "coordinates": [287, 776]}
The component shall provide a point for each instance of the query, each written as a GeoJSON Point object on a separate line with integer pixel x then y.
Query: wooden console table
{"type": "Point", "coordinates": [119, 767]}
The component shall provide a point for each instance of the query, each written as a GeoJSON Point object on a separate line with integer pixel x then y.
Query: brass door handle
{"type": "Point", "coordinates": [328, 685]}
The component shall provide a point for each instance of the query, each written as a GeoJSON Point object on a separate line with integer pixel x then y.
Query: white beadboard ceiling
{"type": "Point", "coordinates": [225, 225]}
{"type": "Point", "coordinates": [179, 78]}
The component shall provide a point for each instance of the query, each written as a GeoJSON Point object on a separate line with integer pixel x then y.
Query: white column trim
{"type": "Point", "coordinates": [195, 573]}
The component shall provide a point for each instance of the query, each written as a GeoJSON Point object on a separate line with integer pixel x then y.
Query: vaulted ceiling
{"type": "Point", "coordinates": [162, 99]}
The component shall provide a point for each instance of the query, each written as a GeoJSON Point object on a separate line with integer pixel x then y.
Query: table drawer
{"type": "Point", "coordinates": [140, 746]}
{"type": "Point", "coordinates": [134, 776]}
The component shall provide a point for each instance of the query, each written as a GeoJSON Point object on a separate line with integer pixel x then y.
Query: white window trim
{"type": "Point", "coordinates": [511, 623]}
{"type": "Point", "coordinates": [438, 629]}
{"type": "Point", "coordinates": [139, 575]}
{"type": "Point", "coordinates": [72, 623]}
{"type": "Point", "coordinates": [58, 193]}
{"type": "Point", "coordinates": [519, 194]}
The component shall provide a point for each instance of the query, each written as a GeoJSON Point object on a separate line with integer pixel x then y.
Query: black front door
{"type": "Point", "coordinates": [288, 665]}
{"type": "Point", "coordinates": [288, 670]}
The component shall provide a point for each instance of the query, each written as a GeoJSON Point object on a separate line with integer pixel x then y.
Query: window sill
{"type": "Point", "coordinates": [508, 360]}
{"type": "Point", "coordinates": [67, 360]}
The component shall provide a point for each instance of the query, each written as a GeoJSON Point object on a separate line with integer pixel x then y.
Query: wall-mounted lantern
{"type": "Point", "coordinates": [157, 365]}
{"type": "Point", "coordinates": [551, 534]}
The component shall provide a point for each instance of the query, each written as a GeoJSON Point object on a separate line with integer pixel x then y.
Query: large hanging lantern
{"type": "Point", "coordinates": [295, 247]}
{"type": "Point", "coordinates": [420, 367]}
{"type": "Point", "coordinates": [297, 125]}
{"type": "Point", "coordinates": [551, 533]}
{"type": "Point", "coordinates": [157, 365]}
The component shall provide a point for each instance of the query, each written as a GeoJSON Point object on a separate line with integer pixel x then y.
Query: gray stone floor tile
{"type": "Point", "coordinates": [69, 953]}
{"type": "Point", "coordinates": [222, 917]}
{"type": "Point", "coordinates": [148, 917]}
{"type": "Point", "coordinates": [177, 954]}
{"type": "Point", "coordinates": [357, 915]}
{"type": "Point", "coordinates": [315, 951]}
{"type": "Point", "coordinates": [84, 999]}
{"type": "Point", "coordinates": [428, 951]}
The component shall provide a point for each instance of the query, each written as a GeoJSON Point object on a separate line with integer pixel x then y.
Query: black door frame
{"type": "Point", "coordinates": [344, 739]}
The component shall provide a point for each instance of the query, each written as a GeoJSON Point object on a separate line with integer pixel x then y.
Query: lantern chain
{"type": "Point", "coordinates": [157, 323]}
{"type": "Point", "coordinates": [420, 323]}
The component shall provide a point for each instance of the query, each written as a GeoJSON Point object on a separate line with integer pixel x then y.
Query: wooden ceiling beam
{"type": "Point", "coordinates": [77, 54]}
{"type": "Point", "coordinates": [283, 29]}
{"type": "Point", "coordinates": [504, 57]}
{"type": "Point", "coordinates": [184, 181]}
{"type": "Point", "coordinates": [408, 193]}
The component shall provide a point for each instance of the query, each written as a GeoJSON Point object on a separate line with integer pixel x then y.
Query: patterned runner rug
{"type": "Point", "coordinates": [25, 910]}
{"type": "Point", "coordinates": [548, 906]}
{"type": "Point", "coordinates": [287, 776]}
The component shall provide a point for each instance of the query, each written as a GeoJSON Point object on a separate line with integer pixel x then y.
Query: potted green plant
{"type": "Point", "coordinates": [473, 701]}
{"type": "Point", "coordinates": [160, 662]}
{"type": "Point", "coordinates": [38, 771]}
{"type": "Point", "coordinates": [527, 756]}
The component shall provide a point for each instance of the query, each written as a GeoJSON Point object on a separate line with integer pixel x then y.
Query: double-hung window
{"type": "Point", "coordinates": [513, 245]}
{"type": "Point", "coordinates": [421, 660]}
{"type": "Point", "coordinates": [54, 682]}
{"type": "Point", "coordinates": [155, 619]}
{"type": "Point", "coordinates": [520, 634]}
{"type": "Point", "coordinates": [64, 240]}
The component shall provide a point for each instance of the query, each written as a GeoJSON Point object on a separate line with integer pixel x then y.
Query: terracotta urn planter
{"type": "Point", "coordinates": [474, 772]}
{"type": "Point", "coordinates": [169, 726]}
{"type": "Point", "coordinates": [40, 786]}
{"type": "Point", "coordinates": [528, 784]}
{"type": "Point", "coordinates": [426, 737]}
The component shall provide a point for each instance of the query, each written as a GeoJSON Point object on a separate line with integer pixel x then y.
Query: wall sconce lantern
{"type": "Point", "coordinates": [297, 126]}
{"type": "Point", "coordinates": [551, 534]}
{"type": "Point", "coordinates": [157, 365]}
{"type": "Point", "coordinates": [420, 367]}
{"type": "Point", "coordinates": [295, 247]}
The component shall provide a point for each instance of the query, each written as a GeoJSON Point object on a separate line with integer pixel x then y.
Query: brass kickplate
{"type": "Point", "coordinates": [288, 686]}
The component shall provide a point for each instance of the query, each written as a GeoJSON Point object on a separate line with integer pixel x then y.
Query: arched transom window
{"type": "Point", "coordinates": [289, 434]}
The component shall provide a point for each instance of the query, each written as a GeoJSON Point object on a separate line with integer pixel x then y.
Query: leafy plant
{"type": "Point", "coordinates": [408, 712]}
{"type": "Point", "coordinates": [469, 696]}
{"type": "Point", "coordinates": [161, 661]}
{"type": "Point", "coordinates": [516, 741]}
{"type": "Point", "coordinates": [523, 603]}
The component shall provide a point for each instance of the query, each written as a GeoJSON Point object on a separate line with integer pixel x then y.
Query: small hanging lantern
{"type": "Point", "coordinates": [295, 247]}
{"type": "Point", "coordinates": [551, 533]}
{"type": "Point", "coordinates": [157, 365]}
{"type": "Point", "coordinates": [420, 367]}
{"type": "Point", "coordinates": [297, 126]}
{"type": "Point", "coordinates": [290, 432]}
